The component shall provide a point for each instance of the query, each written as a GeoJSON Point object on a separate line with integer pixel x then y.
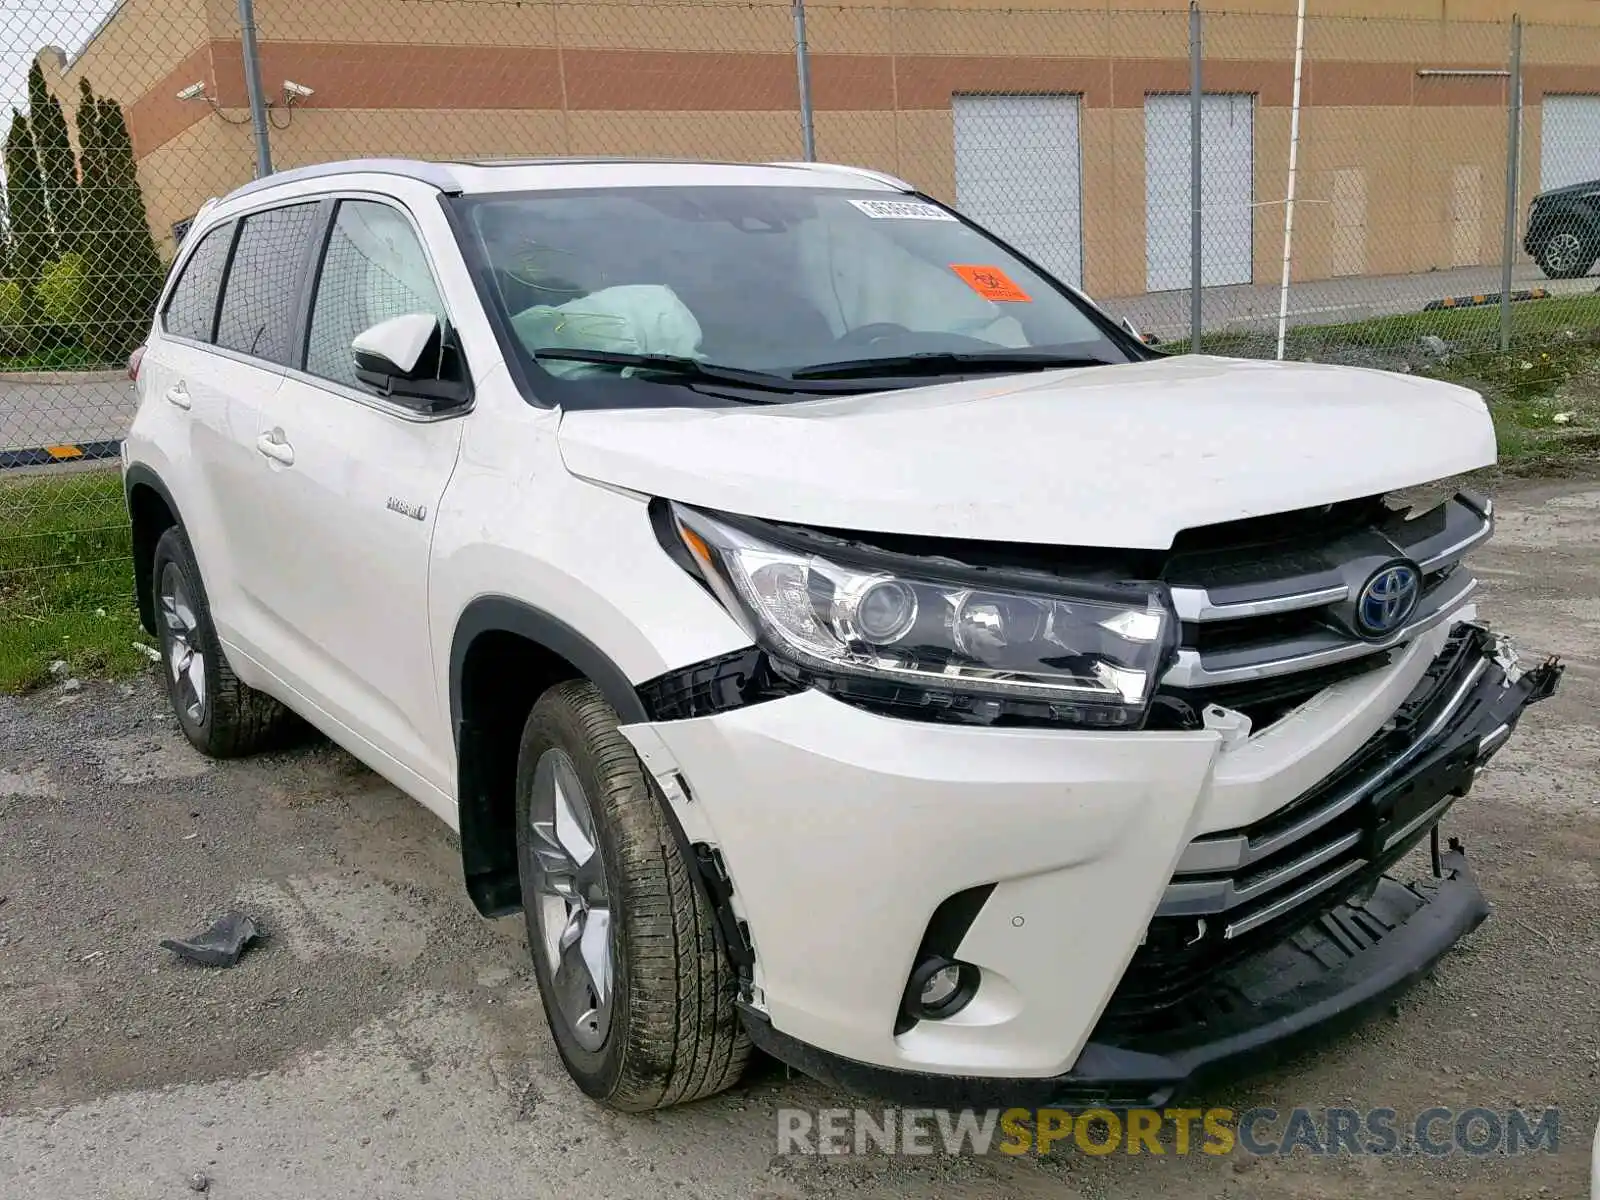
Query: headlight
{"type": "Point", "coordinates": [933, 634]}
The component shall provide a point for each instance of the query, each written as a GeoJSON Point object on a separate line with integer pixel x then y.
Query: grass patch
{"type": "Point", "coordinates": [1545, 403]}
{"type": "Point", "coordinates": [1534, 323]}
{"type": "Point", "coordinates": [66, 579]}
{"type": "Point", "coordinates": [56, 358]}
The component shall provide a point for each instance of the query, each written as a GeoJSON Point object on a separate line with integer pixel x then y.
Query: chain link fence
{"type": "Point", "coordinates": [1430, 159]}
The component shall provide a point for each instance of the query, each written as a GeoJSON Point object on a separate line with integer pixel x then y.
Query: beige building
{"type": "Point", "coordinates": [1056, 122]}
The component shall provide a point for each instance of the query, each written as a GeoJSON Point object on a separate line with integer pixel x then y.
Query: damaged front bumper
{"type": "Point", "coordinates": [1345, 964]}
{"type": "Point", "coordinates": [1230, 887]}
{"type": "Point", "coordinates": [1261, 938]}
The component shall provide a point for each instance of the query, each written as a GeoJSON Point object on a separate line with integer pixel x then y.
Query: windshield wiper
{"type": "Point", "coordinates": [688, 369]}
{"type": "Point", "coordinates": [947, 363]}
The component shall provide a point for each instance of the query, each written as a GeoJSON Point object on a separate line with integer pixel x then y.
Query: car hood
{"type": "Point", "coordinates": [1119, 456]}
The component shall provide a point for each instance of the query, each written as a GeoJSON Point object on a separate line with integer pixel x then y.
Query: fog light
{"type": "Point", "coordinates": [940, 988]}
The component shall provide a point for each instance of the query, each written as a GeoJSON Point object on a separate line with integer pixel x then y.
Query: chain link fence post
{"type": "Point", "coordinates": [252, 81]}
{"type": "Point", "coordinates": [802, 66]}
{"type": "Point", "coordinates": [1513, 170]}
{"type": "Point", "coordinates": [1196, 173]}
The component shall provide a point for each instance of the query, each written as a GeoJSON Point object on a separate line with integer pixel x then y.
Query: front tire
{"type": "Point", "coordinates": [1567, 252]}
{"type": "Point", "coordinates": [635, 984]}
{"type": "Point", "coordinates": [221, 717]}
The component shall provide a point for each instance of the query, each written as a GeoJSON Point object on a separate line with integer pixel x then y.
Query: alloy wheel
{"type": "Point", "coordinates": [185, 660]}
{"type": "Point", "coordinates": [573, 914]}
{"type": "Point", "coordinates": [1563, 251]}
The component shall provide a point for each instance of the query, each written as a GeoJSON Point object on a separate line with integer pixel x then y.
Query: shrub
{"type": "Point", "coordinates": [63, 293]}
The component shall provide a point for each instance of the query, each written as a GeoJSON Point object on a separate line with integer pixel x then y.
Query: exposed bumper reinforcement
{"type": "Point", "coordinates": [1352, 959]}
{"type": "Point", "coordinates": [1351, 828]}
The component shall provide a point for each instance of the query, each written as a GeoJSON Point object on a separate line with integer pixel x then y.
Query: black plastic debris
{"type": "Point", "coordinates": [219, 946]}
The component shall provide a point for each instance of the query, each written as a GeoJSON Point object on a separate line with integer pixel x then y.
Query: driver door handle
{"type": "Point", "coordinates": [275, 448]}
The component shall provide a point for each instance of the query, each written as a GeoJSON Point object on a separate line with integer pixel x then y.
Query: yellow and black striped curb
{"type": "Point", "coordinates": [60, 452]}
{"type": "Point", "coordinates": [1486, 298]}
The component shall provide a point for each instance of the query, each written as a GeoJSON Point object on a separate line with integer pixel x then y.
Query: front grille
{"type": "Point", "coordinates": [1266, 609]}
{"type": "Point", "coordinates": [1221, 637]}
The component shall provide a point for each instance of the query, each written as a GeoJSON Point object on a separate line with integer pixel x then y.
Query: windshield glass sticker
{"type": "Point", "coordinates": [991, 283]}
{"type": "Point", "coordinates": [902, 210]}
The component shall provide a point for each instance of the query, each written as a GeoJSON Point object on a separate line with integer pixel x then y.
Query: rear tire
{"type": "Point", "coordinates": [221, 717]}
{"type": "Point", "coordinates": [635, 983]}
{"type": "Point", "coordinates": [1567, 252]}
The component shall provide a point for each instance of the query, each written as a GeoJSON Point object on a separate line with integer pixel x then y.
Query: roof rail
{"type": "Point", "coordinates": [441, 176]}
{"type": "Point", "coordinates": [899, 185]}
{"type": "Point", "coordinates": [583, 160]}
{"type": "Point", "coordinates": [436, 174]}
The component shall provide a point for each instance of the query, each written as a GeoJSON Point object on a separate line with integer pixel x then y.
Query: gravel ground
{"type": "Point", "coordinates": [385, 1042]}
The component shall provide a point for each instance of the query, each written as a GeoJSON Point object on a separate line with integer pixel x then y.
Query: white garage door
{"type": "Point", "coordinates": [1019, 172]}
{"type": "Point", "coordinates": [1227, 159]}
{"type": "Point", "coordinates": [1569, 141]}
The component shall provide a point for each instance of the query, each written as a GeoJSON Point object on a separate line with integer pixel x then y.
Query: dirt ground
{"type": "Point", "coordinates": [385, 1042]}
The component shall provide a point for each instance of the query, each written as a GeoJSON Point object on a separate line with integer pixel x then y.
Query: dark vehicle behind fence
{"type": "Point", "coordinates": [1564, 230]}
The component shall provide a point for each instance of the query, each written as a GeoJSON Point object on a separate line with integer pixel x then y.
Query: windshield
{"type": "Point", "coordinates": [781, 281]}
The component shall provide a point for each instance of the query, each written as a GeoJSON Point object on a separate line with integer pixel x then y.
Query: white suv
{"type": "Point", "coordinates": [832, 632]}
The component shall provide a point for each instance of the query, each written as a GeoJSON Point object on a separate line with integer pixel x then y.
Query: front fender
{"type": "Point", "coordinates": [580, 577]}
{"type": "Point", "coordinates": [576, 568]}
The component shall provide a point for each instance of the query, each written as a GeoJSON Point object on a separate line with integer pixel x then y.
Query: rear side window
{"type": "Point", "coordinates": [192, 307]}
{"type": "Point", "coordinates": [258, 302]}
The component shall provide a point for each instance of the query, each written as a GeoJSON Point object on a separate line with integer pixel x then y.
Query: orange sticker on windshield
{"type": "Point", "coordinates": [991, 283]}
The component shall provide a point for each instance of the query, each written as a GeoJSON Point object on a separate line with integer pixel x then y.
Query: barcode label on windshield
{"type": "Point", "coordinates": [903, 210]}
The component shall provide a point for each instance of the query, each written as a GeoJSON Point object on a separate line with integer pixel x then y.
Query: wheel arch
{"type": "Point", "coordinates": [151, 512]}
{"type": "Point", "coordinates": [1583, 212]}
{"type": "Point", "coordinates": [504, 654]}
{"type": "Point", "coordinates": [1587, 211]}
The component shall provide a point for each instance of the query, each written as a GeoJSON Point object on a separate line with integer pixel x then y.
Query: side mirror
{"type": "Point", "coordinates": [1129, 328]}
{"type": "Point", "coordinates": [402, 359]}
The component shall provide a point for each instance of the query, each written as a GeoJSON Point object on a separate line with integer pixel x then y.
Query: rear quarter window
{"type": "Point", "coordinates": [192, 308]}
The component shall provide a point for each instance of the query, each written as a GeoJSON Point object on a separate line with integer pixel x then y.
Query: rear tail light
{"type": "Point", "coordinates": [134, 360]}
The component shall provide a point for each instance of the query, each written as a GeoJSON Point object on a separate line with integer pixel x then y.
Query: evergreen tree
{"type": "Point", "coordinates": [123, 267]}
{"type": "Point", "coordinates": [80, 224]}
{"type": "Point", "coordinates": [99, 251]}
{"type": "Point", "coordinates": [57, 170]}
{"type": "Point", "coordinates": [94, 177]}
{"type": "Point", "coordinates": [28, 228]}
{"type": "Point", "coordinates": [10, 292]}
{"type": "Point", "coordinates": [31, 244]}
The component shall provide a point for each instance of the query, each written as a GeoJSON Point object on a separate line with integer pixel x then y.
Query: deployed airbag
{"type": "Point", "coordinates": [638, 318]}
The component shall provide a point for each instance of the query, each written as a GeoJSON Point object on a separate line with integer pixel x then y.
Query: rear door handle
{"type": "Point", "coordinates": [275, 448]}
{"type": "Point", "coordinates": [179, 395]}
